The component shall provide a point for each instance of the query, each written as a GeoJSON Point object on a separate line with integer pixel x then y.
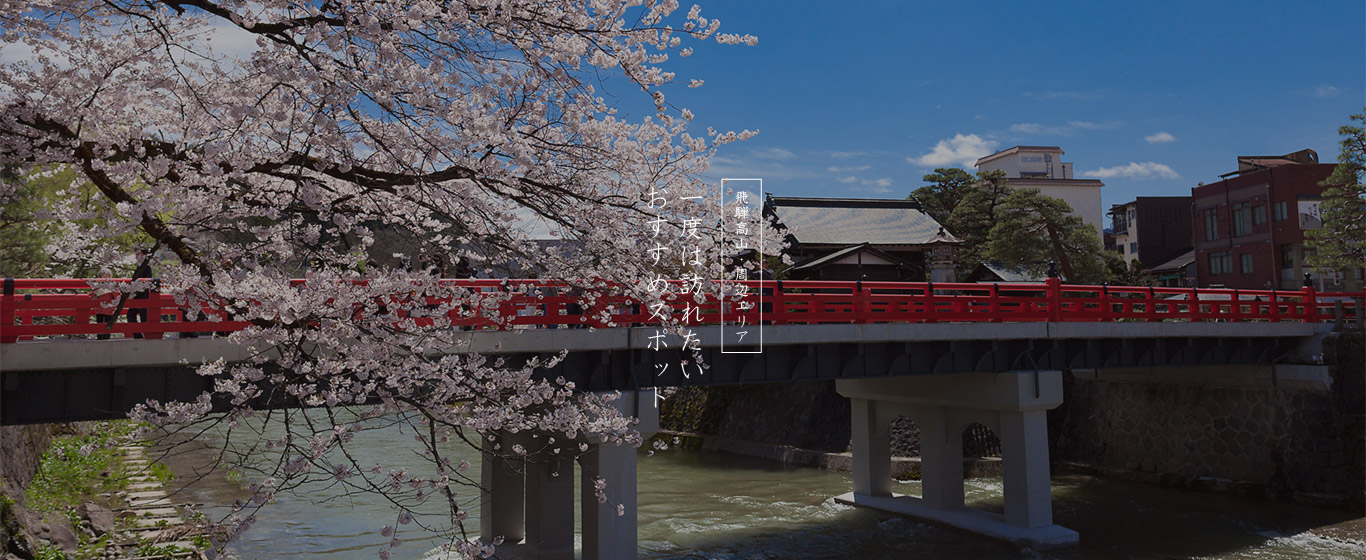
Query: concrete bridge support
{"type": "Point", "coordinates": [530, 504]}
{"type": "Point", "coordinates": [1013, 404]}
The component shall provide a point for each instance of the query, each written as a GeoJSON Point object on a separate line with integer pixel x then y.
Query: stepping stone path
{"type": "Point", "coordinates": [151, 509]}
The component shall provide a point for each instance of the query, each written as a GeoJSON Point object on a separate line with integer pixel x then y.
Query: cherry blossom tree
{"type": "Point", "coordinates": [445, 128]}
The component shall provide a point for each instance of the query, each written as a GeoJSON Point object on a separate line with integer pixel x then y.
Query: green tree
{"type": "Point", "coordinates": [30, 239]}
{"type": "Point", "coordinates": [1125, 272]}
{"type": "Point", "coordinates": [1341, 243]}
{"type": "Point", "coordinates": [1012, 226]}
{"type": "Point", "coordinates": [974, 216]}
{"type": "Point", "coordinates": [1031, 229]}
{"type": "Point", "coordinates": [23, 237]}
{"type": "Point", "coordinates": [949, 185]}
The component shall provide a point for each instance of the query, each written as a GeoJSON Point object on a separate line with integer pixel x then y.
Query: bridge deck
{"type": "Point", "coordinates": [65, 380]}
{"type": "Point", "coordinates": [55, 367]}
{"type": "Point", "coordinates": [73, 354]}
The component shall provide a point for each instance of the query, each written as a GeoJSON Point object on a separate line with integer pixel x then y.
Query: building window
{"type": "Point", "coordinates": [1211, 224]}
{"type": "Point", "coordinates": [1220, 263]}
{"type": "Point", "coordinates": [1133, 248]}
{"type": "Point", "coordinates": [1287, 252]}
{"type": "Point", "coordinates": [1121, 249]}
{"type": "Point", "coordinates": [1242, 219]}
{"type": "Point", "coordinates": [1278, 211]}
{"type": "Point", "coordinates": [1258, 215]}
{"type": "Point", "coordinates": [1247, 262]}
{"type": "Point", "coordinates": [1121, 224]}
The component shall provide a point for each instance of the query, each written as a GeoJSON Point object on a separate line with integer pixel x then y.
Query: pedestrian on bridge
{"type": "Point", "coordinates": [143, 271]}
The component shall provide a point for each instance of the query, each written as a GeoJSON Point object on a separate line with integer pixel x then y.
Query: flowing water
{"type": "Point", "coordinates": [704, 506]}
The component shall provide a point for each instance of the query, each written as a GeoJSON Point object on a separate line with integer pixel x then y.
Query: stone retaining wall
{"type": "Point", "coordinates": [23, 448]}
{"type": "Point", "coordinates": [1288, 433]}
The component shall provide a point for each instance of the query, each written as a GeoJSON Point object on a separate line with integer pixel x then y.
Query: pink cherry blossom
{"type": "Point", "coordinates": [353, 131]}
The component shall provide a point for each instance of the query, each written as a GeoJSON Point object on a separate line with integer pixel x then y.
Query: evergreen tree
{"type": "Point", "coordinates": [949, 185]}
{"type": "Point", "coordinates": [1340, 245]}
{"type": "Point", "coordinates": [1031, 229]}
{"type": "Point", "coordinates": [22, 238]}
{"type": "Point", "coordinates": [1016, 227]}
{"type": "Point", "coordinates": [974, 216]}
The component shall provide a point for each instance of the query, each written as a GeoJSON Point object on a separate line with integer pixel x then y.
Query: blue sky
{"type": "Point", "coordinates": [863, 100]}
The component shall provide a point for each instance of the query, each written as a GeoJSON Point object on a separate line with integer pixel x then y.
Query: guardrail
{"type": "Point", "coordinates": [71, 307]}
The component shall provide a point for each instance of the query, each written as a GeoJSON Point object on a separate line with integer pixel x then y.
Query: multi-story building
{"type": "Point", "coordinates": [1041, 167]}
{"type": "Point", "coordinates": [1249, 227]}
{"type": "Point", "coordinates": [1152, 229]}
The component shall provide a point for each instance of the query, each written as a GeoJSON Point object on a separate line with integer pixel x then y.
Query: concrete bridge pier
{"type": "Point", "coordinates": [606, 535]}
{"type": "Point", "coordinates": [501, 510]}
{"type": "Point", "coordinates": [530, 504]}
{"type": "Point", "coordinates": [1013, 404]}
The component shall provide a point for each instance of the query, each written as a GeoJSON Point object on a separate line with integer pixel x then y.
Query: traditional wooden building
{"type": "Point", "coordinates": [868, 239]}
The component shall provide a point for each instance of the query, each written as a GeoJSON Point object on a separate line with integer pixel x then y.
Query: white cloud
{"type": "Point", "coordinates": [877, 188]}
{"type": "Point", "coordinates": [1326, 90]}
{"type": "Point", "coordinates": [773, 153]}
{"type": "Point", "coordinates": [1069, 129]}
{"type": "Point", "coordinates": [1160, 138]}
{"type": "Point", "coordinates": [722, 166]}
{"type": "Point", "coordinates": [533, 225]}
{"type": "Point", "coordinates": [227, 39]}
{"type": "Point", "coordinates": [846, 155]}
{"type": "Point", "coordinates": [222, 37]}
{"type": "Point", "coordinates": [961, 150]}
{"type": "Point", "coordinates": [1068, 95]}
{"type": "Point", "coordinates": [834, 169]}
{"type": "Point", "coordinates": [1144, 170]}
{"type": "Point", "coordinates": [15, 52]}
{"type": "Point", "coordinates": [880, 185]}
{"type": "Point", "coordinates": [1028, 128]}
{"type": "Point", "coordinates": [1088, 125]}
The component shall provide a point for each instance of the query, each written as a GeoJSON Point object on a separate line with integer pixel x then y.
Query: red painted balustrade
{"type": "Point", "coordinates": [32, 308]}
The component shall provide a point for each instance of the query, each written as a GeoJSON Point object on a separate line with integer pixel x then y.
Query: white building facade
{"type": "Point", "coordinates": [1125, 230]}
{"type": "Point", "coordinates": [1041, 167]}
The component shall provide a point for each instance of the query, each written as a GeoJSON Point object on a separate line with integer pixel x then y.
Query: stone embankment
{"type": "Point", "coordinates": [1284, 433]}
{"type": "Point", "coordinates": [1290, 433]}
{"type": "Point", "coordinates": [135, 521]}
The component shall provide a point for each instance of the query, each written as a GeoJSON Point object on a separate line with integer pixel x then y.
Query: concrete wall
{"type": "Point", "coordinates": [1084, 200]}
{"type": "Point", "coordinates": [1283, 436]}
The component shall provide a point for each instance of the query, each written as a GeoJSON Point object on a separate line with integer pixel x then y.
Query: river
{"type": "Point", "coordinates": [701, 506]}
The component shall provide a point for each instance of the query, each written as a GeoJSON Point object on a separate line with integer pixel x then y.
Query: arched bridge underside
{"type": "Point", "coordinates": [68, 380]}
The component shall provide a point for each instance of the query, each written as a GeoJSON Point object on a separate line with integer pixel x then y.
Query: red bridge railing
{"type": "Point", "coordinates": [32, 308]}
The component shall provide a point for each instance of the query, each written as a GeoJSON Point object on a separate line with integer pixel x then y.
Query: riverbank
{"type": "Point", "coordinates": [697, 505]}
{"type": "Point", "coordinates": [87, 490]}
